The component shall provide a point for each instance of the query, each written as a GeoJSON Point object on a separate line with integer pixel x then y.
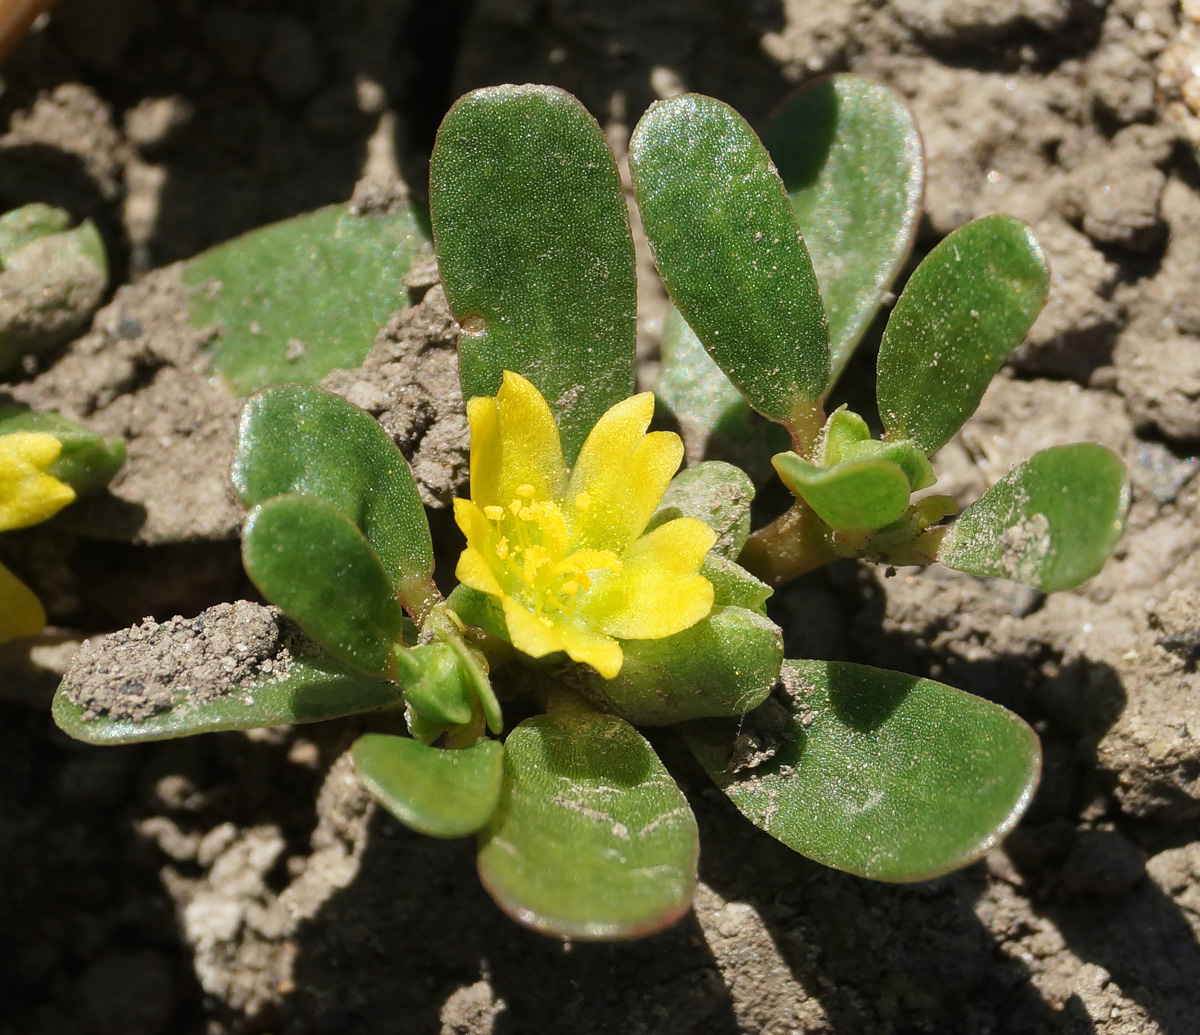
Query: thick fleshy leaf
{"type": "Point", "coordinates": [717, 493]}
{"type": "Point", "coordinates": [592, 838]}
{"type": "Point", "coordinates": [851, 159]}
{"type": "Point", "coordinates": [854, 496]}
{"type": "Point", "coordinates": [969, 303]}
{"type": "Point", "coordinates": [87, 461]}
{"type": "Point", "coordinates": [733, 584]}
{"type": "Point", "coordinates": [292, 438]}
{"type": "Point", "coordinates": [298, 298]}
{"type": "Point", "coordinates": [313, 688]}
{"type": "Point", "coordinates": [435, 791]}
{"type": "Point", "coordinates": [729, 250]}
{"type": "Point", "coordinates": [1050, 523]}
{"type": "Point", "coordinates": [535, 253]}
{"type": "Point", "coordinates": [876, 773]}
{"type": "Point", "coordinates": [313, 563]}
{"type": "Point", "coordinates": [725, 664]}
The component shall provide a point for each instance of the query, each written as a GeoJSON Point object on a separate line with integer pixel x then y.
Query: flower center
{"type": "Point", "coordinates": [529, 538]}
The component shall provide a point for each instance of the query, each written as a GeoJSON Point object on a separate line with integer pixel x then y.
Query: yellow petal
{"type": "Point", "coordinates": [593, 648]}
{"type": "Point", "coordinates": [483, 417]}
{"type": "Point", "coordinates": [621, 475]}
{"type": "Point", "coordinates": [531, 451]}
{"type": "Point", "coordinates": [475, 562]}
{"type": "Point", "coordinates": [538, 637]}
{"type": "Point", "coordinates": [27, 494]}
{"type": "Point", "coordinates": [528, 632]}
{"type": "Point", "coordinates": [21, 612]}
{"type": "Point", "coordinates": [658, 591]}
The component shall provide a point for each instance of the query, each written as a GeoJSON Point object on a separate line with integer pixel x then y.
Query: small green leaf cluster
{"type": "Point", "coordinates": [514, 712]}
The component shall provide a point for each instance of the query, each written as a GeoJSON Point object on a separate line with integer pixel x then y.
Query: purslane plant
{"type": "Point", "coordinates": [602, 589]}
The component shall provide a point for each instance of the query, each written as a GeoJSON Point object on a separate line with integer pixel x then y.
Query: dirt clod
{"type": "Point", "coordinates": [137, 672]}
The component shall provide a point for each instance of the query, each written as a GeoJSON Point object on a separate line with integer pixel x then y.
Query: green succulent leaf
{"type": "Point", "coordinates": [592, 838]}
{"type": "Point", "coordinates": [851, 159]}
{"type": "Point", "coordinates": [733, 584]}
{"type": "Point", "coordinates": [29, 223]}
{"type": "Point", "coordinates": [716, 493]}
{"type": "Point", "coordinates": [855, 496]}
{"type": "Point", "coordinates": [293, 300]}
{"type": "Point", "coordinates": [293, 438]}
{"type": "Point", "coordinates": [877, 773]}
{"type": "Point", "coordinates": [435, 791]}
{"type": "Point", "coordinates": [312, 688]}
{"type": "Point", "coordinates": [969, 303]}
{"type": "Point", "coordinates": [87, 462]}
{"type": "Point", "coordinates": [729, 250]}
{"type": "Point", "coordinates": [535, 253]}
{"type": "Point", "coordinates": [1050, 523]}
{"type": "Point", "coordinates": [725, 664]}
{"type": "Point", "coordinates": [312, 562]}
{"type": "Point", "coordinates": [481, 610]}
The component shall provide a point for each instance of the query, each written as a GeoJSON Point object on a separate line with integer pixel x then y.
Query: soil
{"type": "Point", "coordinates": [239, 883]}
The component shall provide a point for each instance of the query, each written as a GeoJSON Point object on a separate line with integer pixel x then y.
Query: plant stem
{"type": "Point", "coordinates": [791, 545]}
{"type": "Point", "coordinates": [16, 16]}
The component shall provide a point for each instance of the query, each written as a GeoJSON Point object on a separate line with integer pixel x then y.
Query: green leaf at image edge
{"type": "Point", "coordinates": [879, 773]}
{"type": "Point", "coordinates": [1050, 523]}
{"type": "Point", "coordinates": [313, 563]}
{"type": "Point", "coordinates": [851, 160]}
{"type": "Point", "coordinates": [87, 462]}
{"type": "Point", "coordinates": [310, 689]}
{"type": "Point", "coordinates": [435, 791]}
{"type": "Point", "coordinates": [294, 438]}
{"type": "Point", "coordinates": [592, 838]}
{"type": "Point", "coordinates": [299, 298]}
{"type": "Point", "coordinates": [729, 251]}
{"type": "Point", "coordinates": [535, 252]}
{"type": "Point", "coordinates": [970, 302]}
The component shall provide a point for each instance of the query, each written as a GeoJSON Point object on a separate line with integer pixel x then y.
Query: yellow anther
{"type": "Point", "coordinates": [582, 501]}
{"type": "Point", "coordinates": [494, 513]}
{"type": "Point", "coordinates": [547, 622]}
{"type": "Point", "coordinates": [502, 549]}
{"type": "Point", "coordinates": [570, 587]}
{"type": "Point", "coordinates": [526, 490]}
{"type": "Point", "coordinates": [515, 507]}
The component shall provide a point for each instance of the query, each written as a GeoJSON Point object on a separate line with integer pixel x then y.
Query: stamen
{"type": "Point", "coordinates": [525, 490]}
{"type": "Point", "coordinates": [582, 502]}
{"type": "Point", "coordinates": [494, 513]}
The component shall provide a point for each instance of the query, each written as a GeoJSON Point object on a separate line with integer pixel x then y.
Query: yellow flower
{"type": "Point", "coordinates": [28, 495]}
{"type": "Point", "coordinates": [564, 551]}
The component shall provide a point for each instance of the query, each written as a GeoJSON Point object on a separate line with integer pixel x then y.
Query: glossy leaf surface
{"type": "Point", "coordinates": [298, 298]}
{"type": "Point", "coordinates": [729, 251]}
{"type": "Point", "coordinates": [592, 838]}
{"type": "Point", "coordinates": [435, 791]}
{"type": "Point", "coordinates": [87, 462]}
{"type": "Point", "coordinates": [725, 664]}
{"type": "Point", "coordinates": [851, 159]}
{"type": "Point", "coordinates": [716, 493]}
{"type": "Point", "coordinates": [1050, 523]}
{"type": "Point", "coordinates": [879, 773]}
{"type": "Point", "coordinates": [312, 689]}
{"type": "Point", "coordinates": [969, 303]}
{"type": "Point", "coordinates": [854, 496]}
{"type": "Point", "coordinates": [313, 563]}
{"type": "Point", "coordinates": [535, 252]}
{"type": "Point", "coordinates": [293, 438]}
